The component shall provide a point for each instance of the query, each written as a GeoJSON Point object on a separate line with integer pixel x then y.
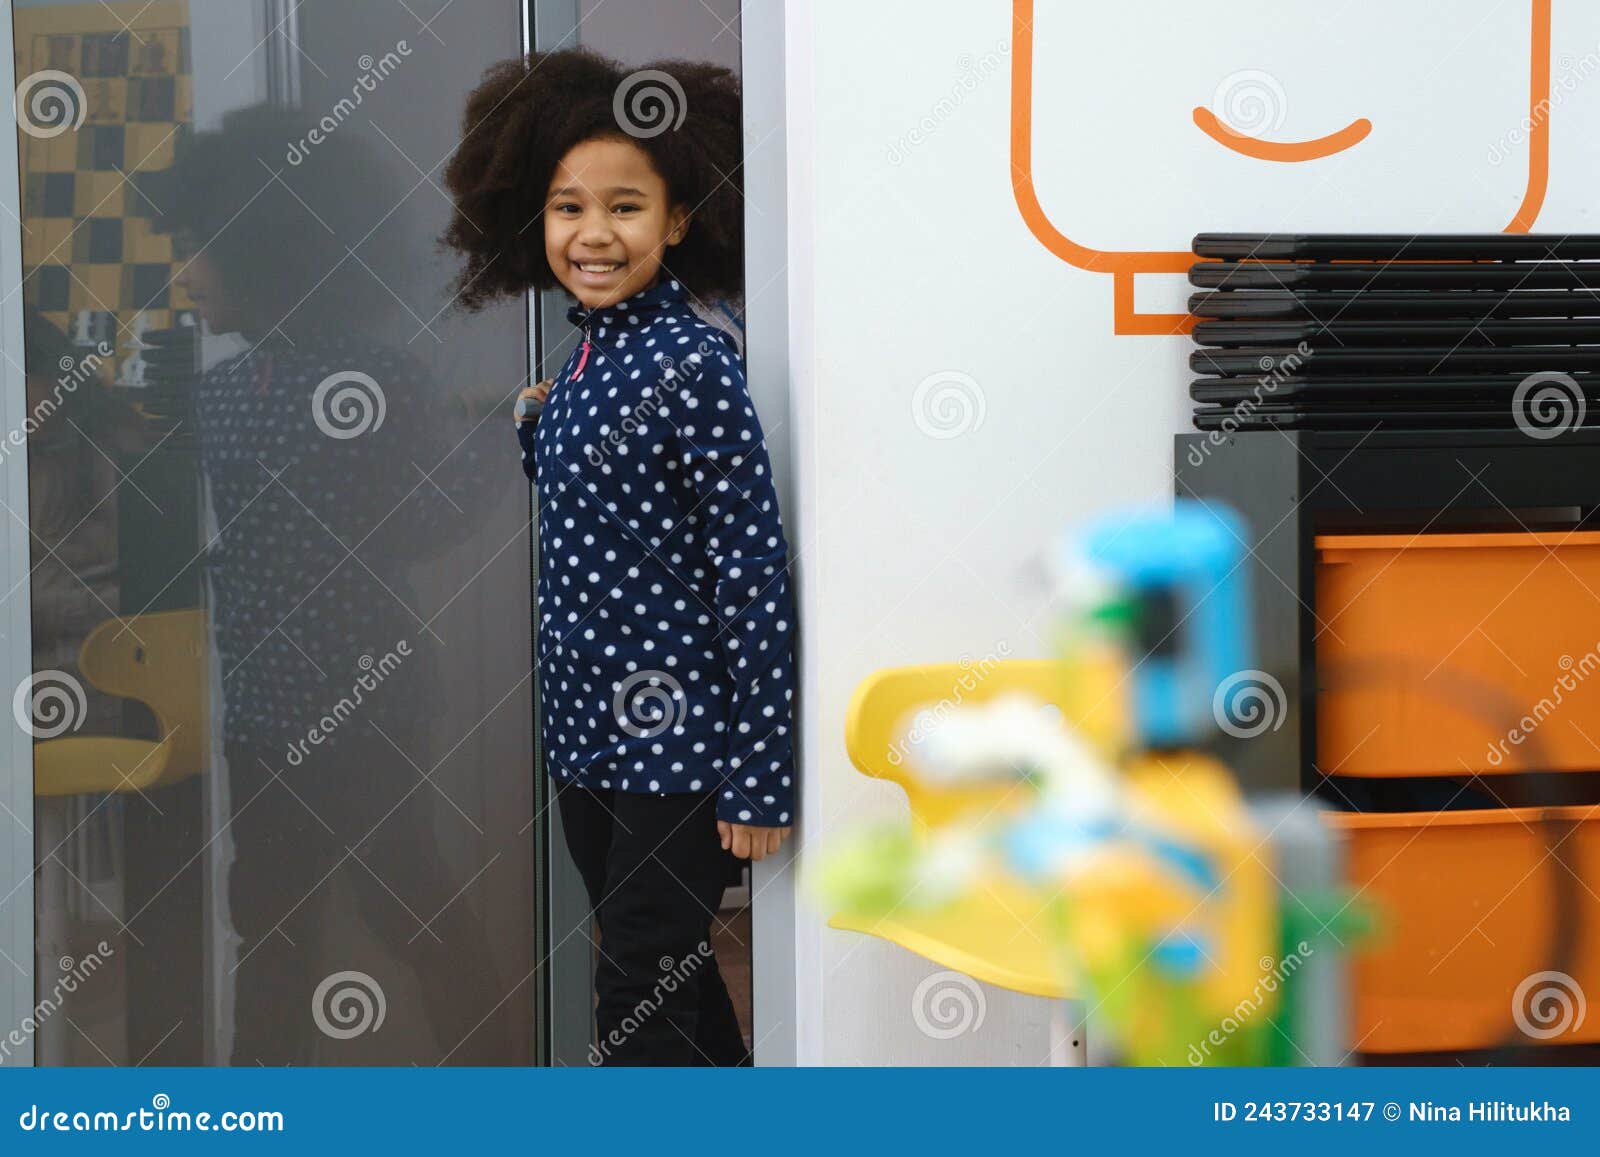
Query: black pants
{"type": "Point", "coordinates": [293, 834]}
{"type": "Point", "coordinates": [655, 871]}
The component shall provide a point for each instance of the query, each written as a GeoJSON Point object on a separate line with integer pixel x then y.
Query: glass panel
{"type": "Point", "coordinates": [282, 703]}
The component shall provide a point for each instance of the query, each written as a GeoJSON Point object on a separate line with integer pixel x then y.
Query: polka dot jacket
{"type": "Point", "coordinates": [316, 533]}
{"type": "Point", "coordinates": [666, 621]}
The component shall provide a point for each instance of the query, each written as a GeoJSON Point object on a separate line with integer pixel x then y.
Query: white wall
{"type": "Point", "coordinates": [909, 258]}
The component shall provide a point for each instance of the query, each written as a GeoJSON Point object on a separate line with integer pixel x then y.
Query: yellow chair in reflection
{"type": "Point", "coordinates": [999, 933]}
{"type": "Point", "coordinates": [158, 659]}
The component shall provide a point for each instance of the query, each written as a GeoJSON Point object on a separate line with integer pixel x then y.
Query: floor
{"type": "Point", "coordinates": [730, 938]}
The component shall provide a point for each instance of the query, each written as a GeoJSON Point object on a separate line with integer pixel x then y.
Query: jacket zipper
{"type": "Point", "coordinates": [583, 356]}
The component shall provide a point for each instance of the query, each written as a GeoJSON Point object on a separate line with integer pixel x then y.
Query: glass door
{"type": "Point", "coordinates": [269, 543]}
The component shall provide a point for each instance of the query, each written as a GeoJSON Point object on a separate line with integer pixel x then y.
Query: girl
{"type": "Point", "coordinates": [665, 639]}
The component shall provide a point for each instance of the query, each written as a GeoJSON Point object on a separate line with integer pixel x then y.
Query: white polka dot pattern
{"type": "Point", "coordinates": [666, 620]}
{"type": "Point", "coordinates": [308, 569]}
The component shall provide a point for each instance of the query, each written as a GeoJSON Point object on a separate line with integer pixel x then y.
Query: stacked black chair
{"type": "Point", "coordinates": [1409, 332]}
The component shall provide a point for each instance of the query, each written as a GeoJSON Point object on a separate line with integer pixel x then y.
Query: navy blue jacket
{"type": "Point", "coordinates": [666, 619]}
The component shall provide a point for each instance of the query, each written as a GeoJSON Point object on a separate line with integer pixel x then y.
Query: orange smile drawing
{"type": "Point", "coordinates": [1351, 135]}
{"type": "Point", "coordinates": [1123, 265]}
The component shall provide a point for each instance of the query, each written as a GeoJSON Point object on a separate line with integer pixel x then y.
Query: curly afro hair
{"type": "Point", "coordinates": [530, 112]}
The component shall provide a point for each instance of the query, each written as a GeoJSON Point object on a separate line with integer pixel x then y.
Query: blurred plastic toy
{"type": "Point", "coordinates": [1162, 888]}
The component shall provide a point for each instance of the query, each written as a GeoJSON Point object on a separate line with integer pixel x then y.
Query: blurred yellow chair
{"type": "Point", "coordinates": [158, 659]}
{"type": "Point", "coordinates": [998, 933]}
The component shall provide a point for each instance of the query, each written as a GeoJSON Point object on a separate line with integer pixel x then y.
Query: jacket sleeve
{"type": "Point", "coordinates": [723, 454]}
{"type": "Point", "coordinates": [525, 431]}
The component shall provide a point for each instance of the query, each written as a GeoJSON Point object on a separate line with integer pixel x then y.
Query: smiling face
{"type": "Point", "coordinates": [608, 221]}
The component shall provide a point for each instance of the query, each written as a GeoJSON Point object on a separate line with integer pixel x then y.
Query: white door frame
{"type": "Point", "coordinates": [767, 280]}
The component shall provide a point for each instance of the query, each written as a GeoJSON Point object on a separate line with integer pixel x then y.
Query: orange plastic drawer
{"type": "Point", "coordinates": [1449, 654]}
{"type": "Point", "coordinates": [1466, 903]}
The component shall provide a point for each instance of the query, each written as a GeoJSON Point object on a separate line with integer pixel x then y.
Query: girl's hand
{"type": "Point", "coordinates": [536, 393]}
{"type": "Point", "coordinates": [748, 842]}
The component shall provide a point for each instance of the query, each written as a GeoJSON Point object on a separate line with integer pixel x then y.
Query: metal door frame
{"type": "Point", "coordinates": [17, 980]}
{"type": "Point", "coordinates": [563, 1001]}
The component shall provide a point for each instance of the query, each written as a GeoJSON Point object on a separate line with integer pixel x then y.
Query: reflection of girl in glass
{"type": "Point", "coordinates": [307, 442]}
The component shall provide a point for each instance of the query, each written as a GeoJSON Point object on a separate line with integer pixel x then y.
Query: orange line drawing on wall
{"type": "Point", "coordinates": [1282, 151]}
{"type": "Point", "coordinates": [1124, 265]}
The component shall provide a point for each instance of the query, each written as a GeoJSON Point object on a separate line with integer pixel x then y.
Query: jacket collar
{"type": "Point", "coordinates": [664, 293]}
